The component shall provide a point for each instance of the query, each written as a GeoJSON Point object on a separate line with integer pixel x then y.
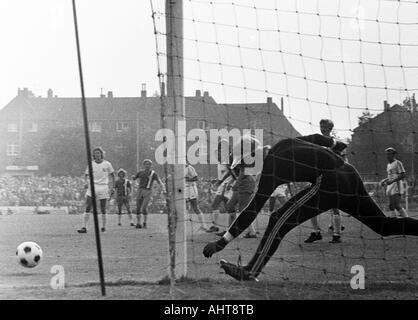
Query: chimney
{"type": "Point", "coordinates": [282, 104]}
{"type": "Point", "coordinates": [198, 93]}
{"type": "Point", "coordinates": [101, 93]}
{"type": "Point", "coordinates": [110, 94]}
{"type": "Point", "coordinates": [386, 106]}
{"type": "Point", "coordinates": [50, 94]}
{"type": "Point", "coordinates": [24, 93]}
{"type": "Point", "coordinates": [269, 100]}
{"type": "Point", "coordinates": [143, 90]}
{"type": "Point", "coordinates": [205, 94]}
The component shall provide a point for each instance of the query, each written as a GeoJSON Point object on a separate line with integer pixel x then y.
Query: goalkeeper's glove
{"type": "Point", "coordinates": [214, 247]}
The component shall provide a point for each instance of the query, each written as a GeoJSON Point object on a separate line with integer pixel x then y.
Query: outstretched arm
{"type": "Point", "coordinates": [324, 141]}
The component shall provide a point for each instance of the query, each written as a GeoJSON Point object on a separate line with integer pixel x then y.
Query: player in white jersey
{"type": "Point", "coordinates": [224, 181]}
{"type": "Point", "coordinates": [102, 173]}
{"type": "Point", "coordinates": [394, 183]}
{"type": "Point", "coordinates": [326, 127]}
{"type": "Point", "coordinates": [191, 194]}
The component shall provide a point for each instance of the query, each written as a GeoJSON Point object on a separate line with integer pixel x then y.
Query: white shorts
{"type": "Point", "coordinates": [102, 192]}
{"type": "Point", "coordinates": [190, 192]}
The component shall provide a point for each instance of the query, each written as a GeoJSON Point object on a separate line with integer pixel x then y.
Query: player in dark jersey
{"type": "Point", "coordinates": [123, 192]}
{"type": "Point", "coordinates": [334, 184]}
{"type": "Point", "coordinates": [146, 178]}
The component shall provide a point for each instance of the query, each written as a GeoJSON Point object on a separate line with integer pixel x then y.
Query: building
{"type": "Point", "coordinates": [395, 127]}
{"type": "Point", "coordinates": [45, 135]}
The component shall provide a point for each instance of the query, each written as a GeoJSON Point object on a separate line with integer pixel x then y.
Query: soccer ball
{"type": "Point", "coordinates": [29, 254]}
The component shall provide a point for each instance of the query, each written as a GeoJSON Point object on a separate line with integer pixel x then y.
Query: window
{"type": "Point", "coordinates": [12, 149]}
{"type": "Point", "coordinates": [201, 124]}
{"type": "Point", "coordinates": [33, 127]}
{"type": "Point", "coordinates": [95, 126]}
{"type": "Point", "coordinates": [122, 126]}
{"type": "Point", "coordinates": [12, 127]}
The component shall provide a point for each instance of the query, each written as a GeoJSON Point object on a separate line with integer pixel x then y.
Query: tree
{"type": "Point", "coordinates": [365, 117]}
{"type": "Point", "coordinates": [63, 152]}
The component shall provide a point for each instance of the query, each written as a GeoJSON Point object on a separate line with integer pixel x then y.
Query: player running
{"type": "Point", "coordinates": [123, 192]}
{"type": "Point", "coordinates": [102, 173]}
{"type": "Point", "coordinates": [334, 184]}
{"type": "Point", "coordinates": [146, 178]}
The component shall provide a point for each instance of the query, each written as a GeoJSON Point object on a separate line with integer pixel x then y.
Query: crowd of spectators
{"type": "Point", "coordinates": [66, 191]}
{"type": "Point", "coordinates": [40, 191]}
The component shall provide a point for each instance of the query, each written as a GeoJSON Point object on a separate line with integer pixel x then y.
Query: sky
{"type": "Point", "coordinates": [326, 58]}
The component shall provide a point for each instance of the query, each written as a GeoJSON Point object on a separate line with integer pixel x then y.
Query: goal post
{"type": "Point", "coordinates": [174, 114]}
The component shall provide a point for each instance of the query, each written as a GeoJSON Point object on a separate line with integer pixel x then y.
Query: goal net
{"type": "Point", "coordinates": [282, 67]}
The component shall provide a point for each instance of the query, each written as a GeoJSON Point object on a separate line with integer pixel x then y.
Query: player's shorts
{"type": "Point", "coordinates": [142, 200]}
{"type": "Point", "coordinates": [102, 192]}
{"type": "Point", "coordinates": [190, 192]}
{"type": "Point", "coordinates": [394, 201]}
{"type": "Point", "coordinates": [122, 200]}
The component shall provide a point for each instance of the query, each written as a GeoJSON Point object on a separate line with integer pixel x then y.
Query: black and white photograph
{"type": "Point", "coordinates": [214, 151]}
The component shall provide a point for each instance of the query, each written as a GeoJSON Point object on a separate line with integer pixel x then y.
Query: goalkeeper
{"type": "Point", "coordinates": [334, 184]}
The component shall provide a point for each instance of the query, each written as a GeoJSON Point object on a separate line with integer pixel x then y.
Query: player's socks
{"type": "Point", "coordinates": [336, 221]}
{"type": "Point", "coordinates": [144, 225]}
{"type": "Point", "coordinates": [103, 221]}
{"type": "Point", "coordinates": [215, 217]}
{"type": "Point", "coordinates": [203, 225]}
{"type": "Point", "coordinates": [86, 217]}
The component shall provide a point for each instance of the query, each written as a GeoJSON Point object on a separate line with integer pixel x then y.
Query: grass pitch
{"type": "Point", "coordinates": [136, 260]}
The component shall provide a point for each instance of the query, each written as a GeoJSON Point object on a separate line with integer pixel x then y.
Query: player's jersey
{"type": "Point", "coordinates": [101, 172]}
{"type": "Point", "coordinates": [393, 170]}
{"type": "Point", "coordinates": [122, 187]}
{"type": "Point", "coordinates": [190, 173]}
{"type": "Point", "coordinates": [146, 178]}
{"type": "Point", "coordinates": [190, 187]}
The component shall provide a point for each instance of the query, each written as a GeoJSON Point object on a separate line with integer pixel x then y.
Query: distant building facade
{"type": "Point", "coordinates": [32, 127]}
{"type": "Point", "coordinates": [395, 127]}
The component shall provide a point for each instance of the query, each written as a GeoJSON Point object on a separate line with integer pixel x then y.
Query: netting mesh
{"type": "Point", "coordinates": [282, 66]}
